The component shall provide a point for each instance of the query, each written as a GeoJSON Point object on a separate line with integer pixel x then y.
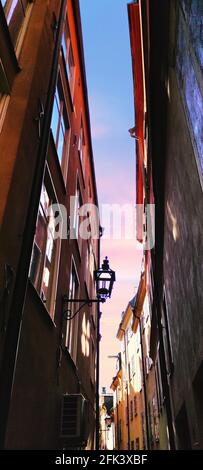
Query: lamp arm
{"type": "Point", "coordinates": [84, 302]}
{"type": "Point", "coordinates": [69, 317]}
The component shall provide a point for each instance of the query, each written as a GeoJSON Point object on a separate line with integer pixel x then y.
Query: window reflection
{"type": "Point", "coordinates": [68, 55]}
{"type": "Point", "coordinates": [60, 125]}
{"type": "Point", "coordinates": [15, 11]}
{"type": "Point", "coordinates": [44, 249]}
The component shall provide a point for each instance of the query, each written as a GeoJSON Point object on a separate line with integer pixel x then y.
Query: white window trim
{"type": "Point", "coordinates": [4, 102]}
{"type": "Point", "coordinates": [71, 339]}
{"type": "Point", "coordinates": [79, 239]}
{"type": "Point", "coordinates": [83, 159]}
{"type": "Point", "coordinates": [51, 310]}
{"type": "Point", "coordinates": [70, 51]}
{"type": "Point", "coordinates": [57, 262]}
{"type": "Point", "coordinates": [5, 99]}
{"type": "Point", "coordinates": [67, 144]}
{"type": "Point", "coordinates": [23, 29]}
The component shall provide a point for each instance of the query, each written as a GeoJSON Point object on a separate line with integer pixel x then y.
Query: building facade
{"type": "Point", "coordinates": [106, 428]}
{"type": "Point", "coordinates": [132, 382]}
{"type": "Point", "coordinates": [167, 51]}
{"type": "Point", "coordinates": [47, 175]}
{"type": "Point", "coordinates": [136, 406]}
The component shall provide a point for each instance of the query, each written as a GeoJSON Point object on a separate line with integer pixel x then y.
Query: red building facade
{"type": "Point", "coordinates": [166, 45]}
{"type": "Point", "coordinates": [46, 160]}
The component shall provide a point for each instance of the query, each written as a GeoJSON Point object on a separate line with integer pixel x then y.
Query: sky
{"type": "Point", "coordinates": [110, 90]}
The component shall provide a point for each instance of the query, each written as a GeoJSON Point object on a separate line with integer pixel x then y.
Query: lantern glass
{"type": "Point", "coordinates": [104, 278]}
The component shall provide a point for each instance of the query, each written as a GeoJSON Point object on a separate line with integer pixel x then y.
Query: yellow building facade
{"type": "Point", "coordinates": [136, 413]}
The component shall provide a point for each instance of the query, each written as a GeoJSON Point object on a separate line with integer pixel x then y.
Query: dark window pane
{"type": "Point", "coordinates": [15, 14]}
{"type": "Point", "coordinates": [59, 123]}
{"type": "Point", "coordinates": [55, 120]}
{"type": "Point", "coordinates": [35, 264]}
{"type": "Point", "coordinates": [64, 45]}
{"type": "Point", "coordinates": [61, 142]}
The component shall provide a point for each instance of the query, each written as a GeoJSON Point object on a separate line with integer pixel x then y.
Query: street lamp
{"type": "Point", "coordinates": [104, 278]}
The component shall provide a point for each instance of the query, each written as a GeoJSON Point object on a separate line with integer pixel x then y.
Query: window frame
{"type": "Point", "coordinates": [135, 405]}
{"type": "Point", "coordinates": [62, 116]}
{"type": "Point", "coordinates": [131, 410]}
{"type": "Point", "coordinates": [137, 443]}
{"type": "Point", "coordinates": [82, 145]}
{"type": "Point", "coordinates": [77, 217]}
{"type": "Point", "coordinates": [49, 300]}
{"type": "Point", "coordinates": [71, 339]}
{"type": "Point", "coordinates": [26, 6]}
{"type": "Point", "coordinates": [68, 57]}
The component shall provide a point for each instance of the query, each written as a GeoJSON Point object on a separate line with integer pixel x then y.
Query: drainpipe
{"type": "Point", "coordinates": [12, 340]}
{"type": "Point", "coordinates": [127, 382]}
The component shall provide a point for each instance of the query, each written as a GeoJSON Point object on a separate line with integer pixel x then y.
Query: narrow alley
{"type": "Point", "coordinates": [101, 227]}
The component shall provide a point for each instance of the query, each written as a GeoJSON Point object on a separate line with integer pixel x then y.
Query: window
{"type": "Point", "coordinates": [126, 414]}
{"type": "Point", "coordinates": [143, 431]}
{"type": "Point", "coordinates": [15, 11]}
{"type": "Point", "coordinates": [133, 364]}
{"type": "Point", "coordinates": [128, 334]}
{"type": "Point", "coordinates": [135, 406]}
{"type": "Point", "coordinates": [92, 263]}
{"type": "Point", "coordinates": [72, 325]}
{"type": "Point", "coordinates": [89, 190]}
{"type": "Point", "coordinates": [68, 55]}
{"type": "Point", "coordinates": [129, 371]}
{"type": "Point", "coordinates": [60, 126]}
{"type": "Point", "coordinates": [81, 143]}
{"type": "Point", "coordinates": [137, 444]}
{"type": "Point", "coordinates": [89, 275]}
{"type": "Point", "coordinates": [45, 250]}
{"type": "Point", "coordinates": [76, 218]}
{"type": "Point", "coordinates": [92, 362]}
{"type": "Point", "coordinates": [87, 267]}
{"type": "Point", "coordinates": [120, 431]}
{"type": "Point", "coordinates": [131, 410]}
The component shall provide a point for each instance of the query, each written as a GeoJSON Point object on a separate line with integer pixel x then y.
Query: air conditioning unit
{"type": "Point", "coordinates": [74, 418]}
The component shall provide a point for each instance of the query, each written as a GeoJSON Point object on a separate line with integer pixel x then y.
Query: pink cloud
{"type": "Point", "coordinates": [99, 131]}
{"type": "Point", "coordinates": [126, 260]}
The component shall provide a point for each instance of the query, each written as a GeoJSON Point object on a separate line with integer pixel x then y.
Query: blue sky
{"type": "Point", "coordinates": [110, 90]}
{"type": "Point", "coordinates": [108, 67]}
